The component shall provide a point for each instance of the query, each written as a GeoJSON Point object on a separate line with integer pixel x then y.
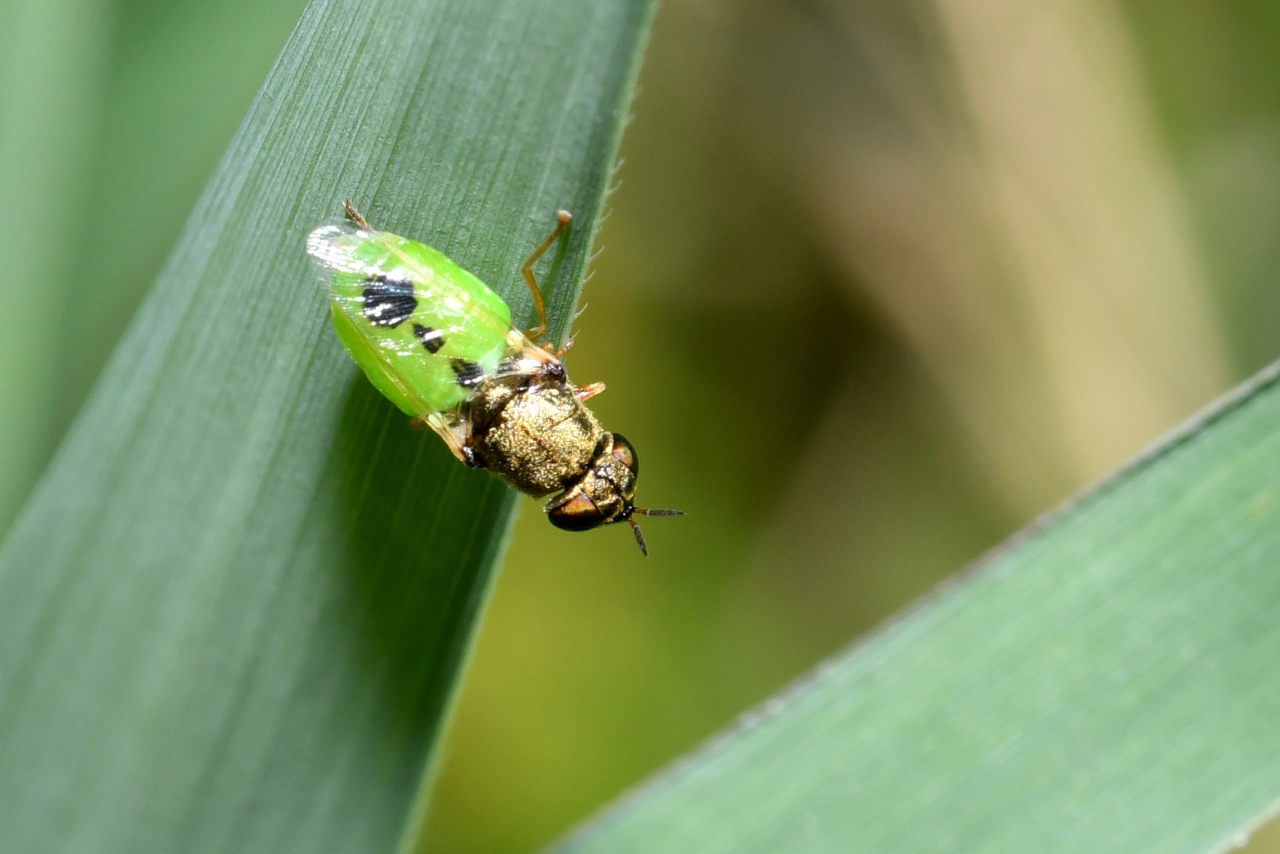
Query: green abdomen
{"type": "Point", "coordinates": [424, 330]}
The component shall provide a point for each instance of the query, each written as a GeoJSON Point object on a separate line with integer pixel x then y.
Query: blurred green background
{"type": "Point", "coordinates": [882, 281]}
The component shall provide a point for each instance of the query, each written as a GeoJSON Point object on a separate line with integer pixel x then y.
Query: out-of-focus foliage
{"type": "Point", "coordinates": [882, 282]}
{"type": "Point", "coordinates": [1215, 80]}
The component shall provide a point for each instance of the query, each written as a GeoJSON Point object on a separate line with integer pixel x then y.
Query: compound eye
{"type": "Point", "coordinates": [579, 513]}
{"type": "Point", "coordinates": [626, 454]}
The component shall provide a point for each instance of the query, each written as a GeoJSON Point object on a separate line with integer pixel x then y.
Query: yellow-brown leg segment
{"type": "Point", "coordinates": [589, 391]}
{"type": "Point", "coordinates": [568, 345]}
{"type": "Point", "coordinates": [354, 215]}
{"type": "Point", "coordinates": [563, 218]}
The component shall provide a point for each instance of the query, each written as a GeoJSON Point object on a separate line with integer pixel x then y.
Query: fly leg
{"type": "Point", "coordinates": [563, 218]}
{"type": "Point", "coordinates": [354, 215]}
{"type": "Point", "coordinates": [589, 391]}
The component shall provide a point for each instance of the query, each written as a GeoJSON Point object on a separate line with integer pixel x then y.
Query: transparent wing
{"type": "Point", "coordinates": [337, 249]}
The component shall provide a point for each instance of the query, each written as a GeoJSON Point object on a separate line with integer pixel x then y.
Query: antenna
{"type": "Point", "coordinates": [644, 549]}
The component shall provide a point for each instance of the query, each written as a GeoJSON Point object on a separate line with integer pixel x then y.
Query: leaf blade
{"type": "Point", "coordinates": [238, 601]}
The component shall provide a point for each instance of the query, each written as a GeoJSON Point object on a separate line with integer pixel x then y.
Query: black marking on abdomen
{"type": "Point", "coordinates": [469, 374]}
{"type": "Point", "coordinates": [432, 339]}
{"type": "Point", "coordinates": [388, 302]}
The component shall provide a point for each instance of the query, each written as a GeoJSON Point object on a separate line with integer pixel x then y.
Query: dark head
{"type": "Point", "coordinates": [605, 493]}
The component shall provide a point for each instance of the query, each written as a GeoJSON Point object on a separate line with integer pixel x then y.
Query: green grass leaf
{"type": "Point", "coordinates": [106, 107]}
{"type": "Point", "coordinates": [233, 613]}
{"type": "Point", "coordinates": [52, 55]}
{"type": "Point", "coordinates": [1105, 682]}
